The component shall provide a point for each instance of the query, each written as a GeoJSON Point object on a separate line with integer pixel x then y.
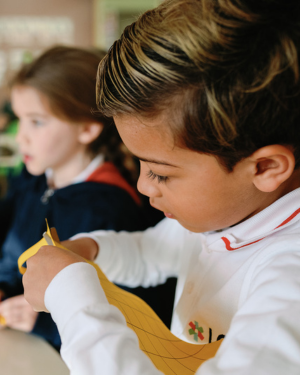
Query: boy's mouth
{"type": "Point", "coordinates": [167, 214]}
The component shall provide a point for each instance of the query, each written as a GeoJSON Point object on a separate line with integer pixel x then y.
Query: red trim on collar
{"type": "Point", "coordinates": [229, 248]}
{"type": "Point", "coordinates": [289, 218]}
{"type": "Point", "coordinates": [227, 242]}
{"type": "Point", "coordinates": [109, 174]}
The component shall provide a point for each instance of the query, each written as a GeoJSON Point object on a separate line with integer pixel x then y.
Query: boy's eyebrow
{"type": "Point", "coordinates": [157, 162]}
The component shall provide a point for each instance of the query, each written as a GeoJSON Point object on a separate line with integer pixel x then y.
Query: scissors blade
{"type": "Point", "coordinates": [48, 239]}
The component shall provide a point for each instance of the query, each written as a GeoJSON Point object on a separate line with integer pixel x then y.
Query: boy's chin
{"type": "Point", "coordinates": [191, 228]}
{"type": "Point", "coordinates": [199, 228]}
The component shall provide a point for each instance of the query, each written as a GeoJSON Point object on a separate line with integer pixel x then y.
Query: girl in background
{"type": "Point", "coordinates": [78, 174]}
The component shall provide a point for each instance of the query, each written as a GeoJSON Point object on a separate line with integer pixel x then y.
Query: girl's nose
{"type": "Point", "coordinates": [21, 134]}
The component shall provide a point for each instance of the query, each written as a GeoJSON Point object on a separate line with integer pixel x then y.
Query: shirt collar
{"type": "Point", "coordinates": [282, 213]}
{"type": "Point", "coordinates": [94, 164]}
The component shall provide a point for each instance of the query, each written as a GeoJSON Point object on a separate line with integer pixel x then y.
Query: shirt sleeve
{"type": "Point", "coordinates": [10, 279]}
{"type": "Point", "coordinates": [145, 258]}
{"type": "Point", "coordinates": [95, 337]}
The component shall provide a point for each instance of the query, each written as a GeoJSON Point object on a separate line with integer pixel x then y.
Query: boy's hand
{"type": "Point", "coordinates": [85, 247]}
{"type": "Point", "coordinates": [18, 314]}
{"type": "Point", "coordinates": [41, 269]}
{"type": "Point", "coordinates": [2, 295]}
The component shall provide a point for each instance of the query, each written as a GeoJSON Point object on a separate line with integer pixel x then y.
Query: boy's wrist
{"type": "Point", "coordinates": [84, 246]}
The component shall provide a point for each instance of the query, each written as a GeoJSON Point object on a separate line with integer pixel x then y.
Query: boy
{"type": "Point", "coordinates": [206, 94]}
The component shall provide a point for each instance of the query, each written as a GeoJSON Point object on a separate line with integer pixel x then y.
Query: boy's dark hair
{"type": "Point", "coordinates": [227, 72]}
{"type": "Point", "coordinates": [66, 76]}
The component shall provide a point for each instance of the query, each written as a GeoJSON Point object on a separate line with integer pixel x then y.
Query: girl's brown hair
{"type": "Point", "coordinates": [226, 71]}
{"type": "Point", "coordinates": [66, 76]}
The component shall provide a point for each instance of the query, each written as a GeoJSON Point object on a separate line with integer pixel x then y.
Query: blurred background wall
{"type": "Point", "coordinates": [112, 16]}
{"type": "Point", "coordinates": [28, 27]}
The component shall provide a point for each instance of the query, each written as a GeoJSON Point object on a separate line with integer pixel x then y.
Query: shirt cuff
{"type": "Point", "coordinates": [72, 289]}
{"type": "Point", "coordinates": [104, 243]}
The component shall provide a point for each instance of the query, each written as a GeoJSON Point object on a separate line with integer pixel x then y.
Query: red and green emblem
{"type": "Point", "coordinates": [196, 331]}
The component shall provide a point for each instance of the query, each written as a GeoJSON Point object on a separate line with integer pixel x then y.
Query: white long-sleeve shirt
{"type": "Point", "coordinates": [242, 283]}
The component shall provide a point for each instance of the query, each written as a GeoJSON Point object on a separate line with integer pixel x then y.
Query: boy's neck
{"type": "Point", "coordinates": [286, 187]}
{"type": "Point", "coordinates": [292, 183]}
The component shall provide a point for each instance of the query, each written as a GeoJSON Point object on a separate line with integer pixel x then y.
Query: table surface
{"type": "Point", "coordinates": [25, 354]}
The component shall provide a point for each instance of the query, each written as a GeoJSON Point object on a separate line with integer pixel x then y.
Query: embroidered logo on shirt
{"type": "Point", "coordinates": [196, 331]}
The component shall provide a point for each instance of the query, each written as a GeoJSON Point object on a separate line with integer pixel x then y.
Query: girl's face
{"type": "Point", "coordinates": [44, 140]}
{"type": "Point", "coordinates": [188, 186]}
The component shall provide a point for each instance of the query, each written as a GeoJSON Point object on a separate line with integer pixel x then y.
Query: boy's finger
{"type": "Point", "coordinates": [2, 295]}
{"type": "Point", "coordinates": [54, 235]}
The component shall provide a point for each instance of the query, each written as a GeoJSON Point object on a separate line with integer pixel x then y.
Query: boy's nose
{"type": "Point", "coordinates": [147, 187]}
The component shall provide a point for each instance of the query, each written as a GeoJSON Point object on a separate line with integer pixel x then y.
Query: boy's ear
{"type": "Point", "coordinates": [274, 165]}
{"type": "Point", "coordinates": [89, 132]}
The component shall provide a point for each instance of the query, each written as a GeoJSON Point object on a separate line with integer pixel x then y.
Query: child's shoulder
{"type": "Point", "coordinates": [25, 180]}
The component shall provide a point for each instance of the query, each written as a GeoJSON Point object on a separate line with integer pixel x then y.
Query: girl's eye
{"type": "Point", "coordinates": [154, 176]}
{"type": "Point", "coordinates": [37, 122]}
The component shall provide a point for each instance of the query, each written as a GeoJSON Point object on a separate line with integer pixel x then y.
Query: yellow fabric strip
{"type": "Point", "coordinates": [168, 353]}
{"type": "Point", "coordinates": [2, 321]}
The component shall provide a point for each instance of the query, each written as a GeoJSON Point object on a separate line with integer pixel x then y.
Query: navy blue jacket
{"type": "Point", "coordinates": [81, 207]}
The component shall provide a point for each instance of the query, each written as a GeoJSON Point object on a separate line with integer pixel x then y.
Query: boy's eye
{"type": "Point", "coordinates": [154, 176]}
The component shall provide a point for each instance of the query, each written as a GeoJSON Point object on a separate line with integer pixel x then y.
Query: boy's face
{"type": "Point", "coordinates": [187, 186]}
